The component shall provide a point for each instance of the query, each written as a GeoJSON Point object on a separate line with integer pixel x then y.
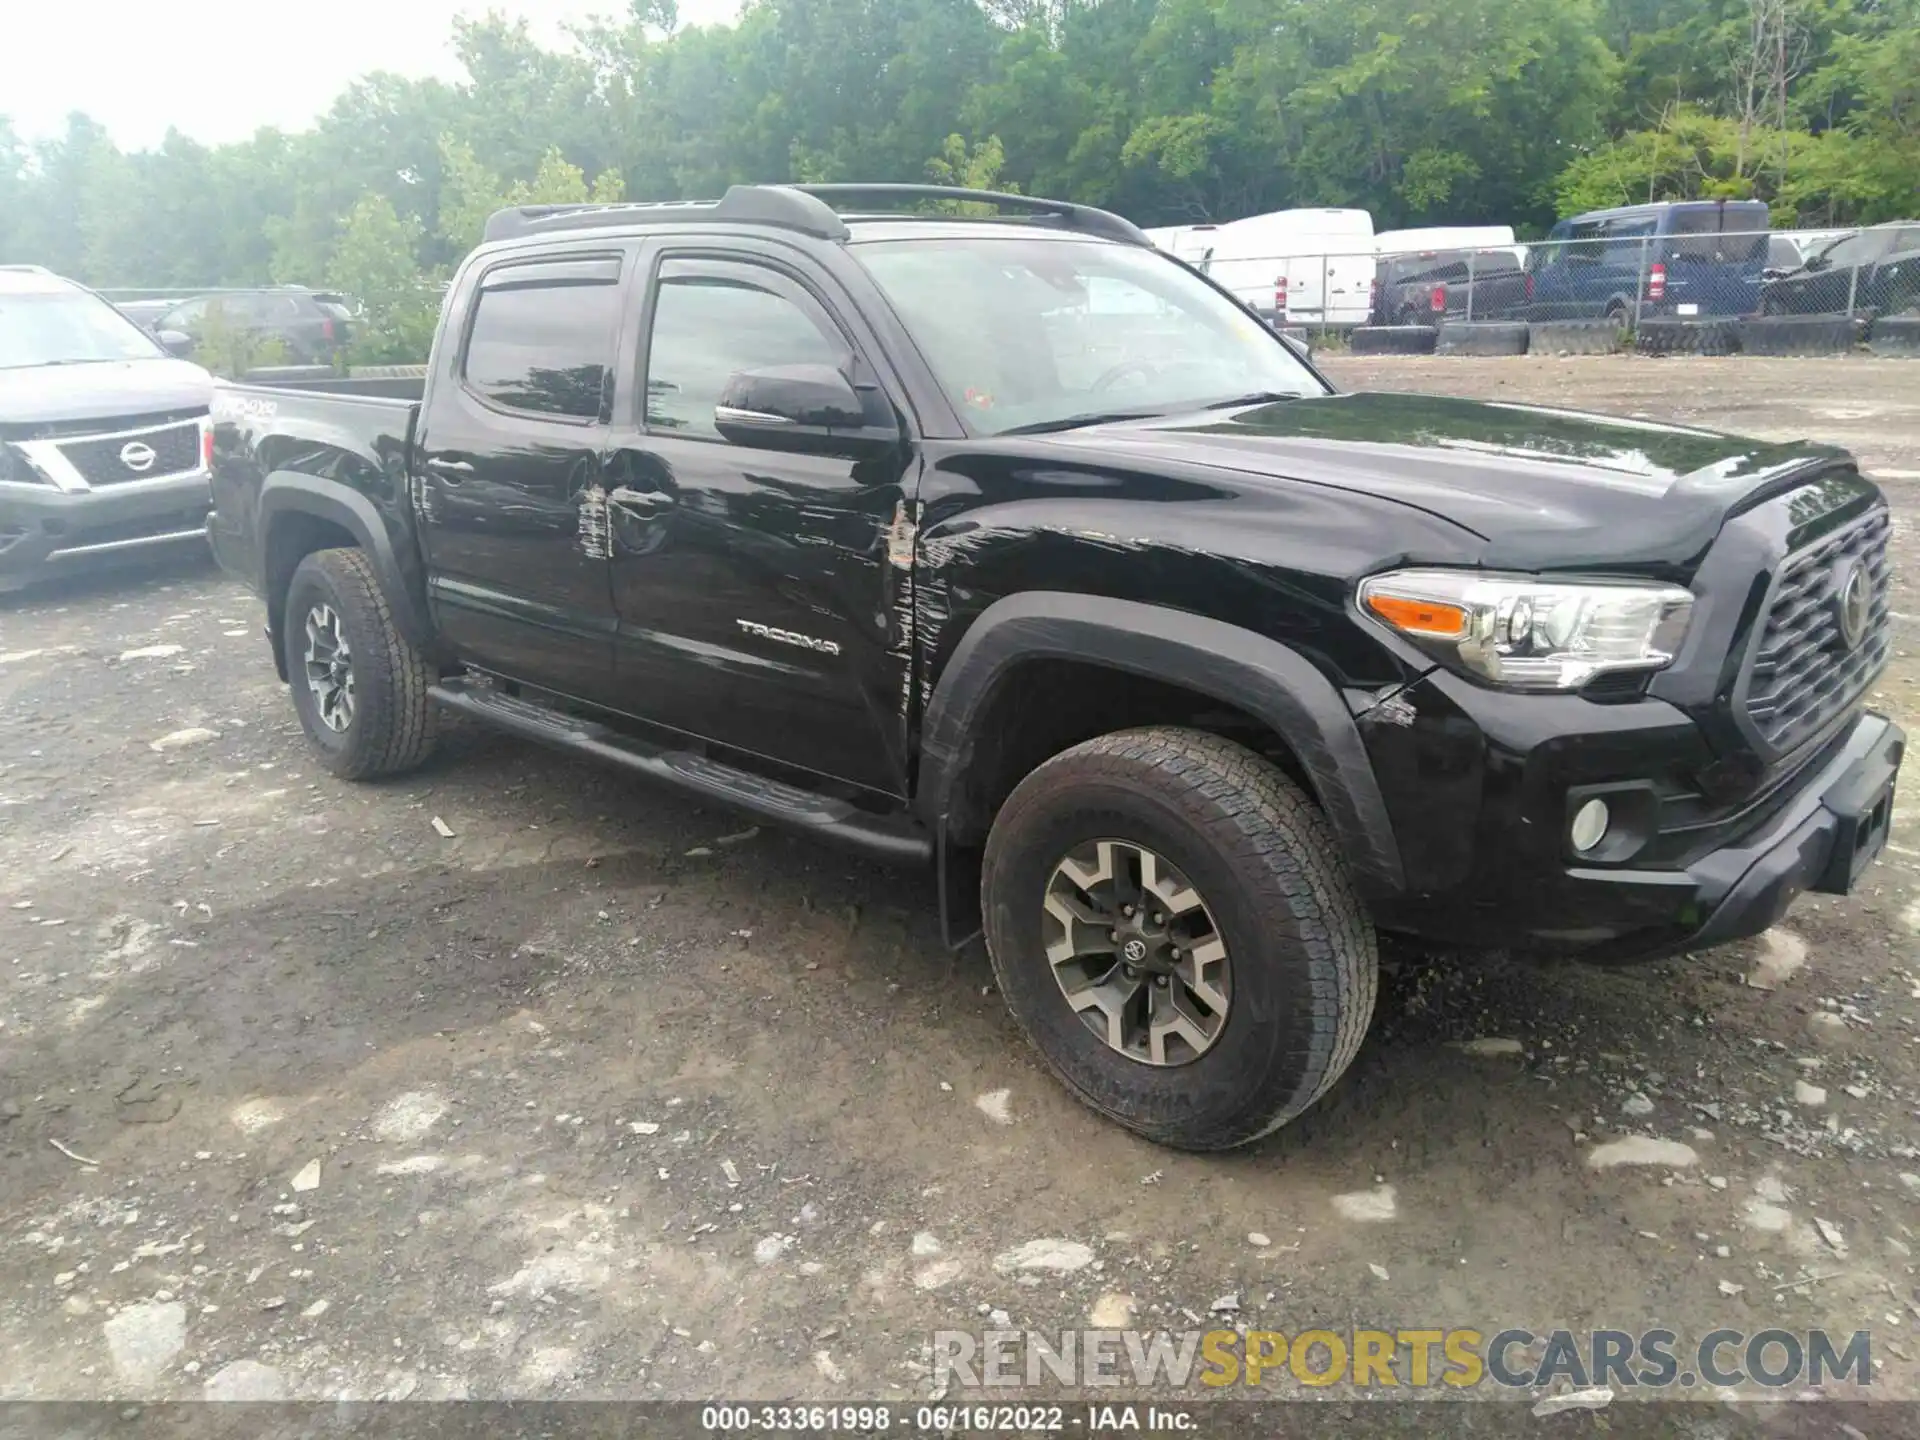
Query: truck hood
{"type": "Point", "coordinates": [1543, 488]}
{"type": "Point", "coordinates": [37, 395]}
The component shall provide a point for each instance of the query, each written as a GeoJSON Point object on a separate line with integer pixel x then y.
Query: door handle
{"type": "Point", "coordinates": [452, 471]}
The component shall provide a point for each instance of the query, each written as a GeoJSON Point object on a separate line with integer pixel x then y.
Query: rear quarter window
{"type": "Point", "coordinates": [543, 347]}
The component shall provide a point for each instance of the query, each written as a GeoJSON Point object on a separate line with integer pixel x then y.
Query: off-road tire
{"type": "Point", "coordinates": [395, 723]}
{"type": "Point", "coordinates": [1305, 965]}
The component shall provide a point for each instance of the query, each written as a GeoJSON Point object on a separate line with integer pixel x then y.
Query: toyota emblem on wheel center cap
{"type": "Point", "coordinates": [1853, 604]}
{"type": "Point", "coordinates": [137, 456]}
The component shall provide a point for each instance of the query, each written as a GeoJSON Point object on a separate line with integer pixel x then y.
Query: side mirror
{"type": "Point", "coordinates": [1296, 345]}
{"type": "Point", "coordinates": [175, 342]}
{"type": "Point", "coordinates": [809, 409]}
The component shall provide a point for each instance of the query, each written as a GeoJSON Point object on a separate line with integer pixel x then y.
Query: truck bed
{"type": "Point", "coordinates": [393, 382]}
{"type": "Point", "coordinates": [340, 435]}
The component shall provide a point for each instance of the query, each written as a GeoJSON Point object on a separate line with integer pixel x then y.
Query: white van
{"type": "Point", "coordinates": [1309, 267]}
{"type": "Point", "coordinates": [1444, 237]}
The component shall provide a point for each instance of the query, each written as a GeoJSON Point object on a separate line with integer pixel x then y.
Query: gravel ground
{"type": "Point", "coordinates": [603, 1094]}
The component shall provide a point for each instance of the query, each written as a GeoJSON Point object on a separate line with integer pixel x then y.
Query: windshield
{"type": "Point", "coordinates": [67, 328]}
{"type": "Point", "coordinates": [1025, 332]}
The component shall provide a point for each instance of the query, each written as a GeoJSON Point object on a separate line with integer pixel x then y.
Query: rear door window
{"type": "Point", "coordinates": [542, 336]}
{"type": "Point", "coordinates": [1720, 235]}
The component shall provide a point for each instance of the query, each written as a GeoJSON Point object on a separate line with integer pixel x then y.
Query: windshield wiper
{"type": "Point", "coordinates": [1257, 397]}
{"type": "Point", "coordinates": [1074, 422]}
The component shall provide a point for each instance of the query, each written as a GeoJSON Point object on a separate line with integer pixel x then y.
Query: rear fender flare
{"type": "Point", "coordinates": [1266, 679]}
{"type": "Point", "coordinates": [286, 492]}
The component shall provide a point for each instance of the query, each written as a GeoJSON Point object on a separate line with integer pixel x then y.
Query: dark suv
{"type": "Point", "coordinates": [104, 439]}
{"type": "Point", "coordinates": [310, 326]}
{"type": "Point", "coordinates": [1872, 271]}
{"type": "Point", "coordinates": [1017, 548]}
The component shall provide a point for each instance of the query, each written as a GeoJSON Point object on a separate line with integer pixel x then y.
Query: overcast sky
{"type": "Point", "coordinates": [220, 69]}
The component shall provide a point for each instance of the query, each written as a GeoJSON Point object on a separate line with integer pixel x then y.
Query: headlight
{"type": "Point", "coordinates": [1526, 633]}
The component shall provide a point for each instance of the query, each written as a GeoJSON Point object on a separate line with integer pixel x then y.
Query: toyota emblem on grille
{"type": "Point", "coordinates": [137, 457]}
{"type": "Point", "coordinates": [1852, 604]}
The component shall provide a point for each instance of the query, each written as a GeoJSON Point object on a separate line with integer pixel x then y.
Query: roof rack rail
{"type": "Point", "coordinates": [1061, 212]}
{"type": "Point", "coordinates": [808, 209]}
{"type": "Point", "coordinates": [780, 205]}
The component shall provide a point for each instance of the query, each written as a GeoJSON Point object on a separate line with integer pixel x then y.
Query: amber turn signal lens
{"type": "Point", "coordinates": [1419, 617]}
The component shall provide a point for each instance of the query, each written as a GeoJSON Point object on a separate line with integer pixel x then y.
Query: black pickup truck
{"type": "Point", "coordinates": [1001, 541]}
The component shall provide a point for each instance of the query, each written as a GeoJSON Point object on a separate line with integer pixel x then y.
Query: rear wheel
{"type": "Point", "coordinates": [1173, 931]}
{"type": "Point", "coordinates": [359, 686]}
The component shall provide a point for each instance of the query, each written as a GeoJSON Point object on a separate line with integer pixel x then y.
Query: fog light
{"type": "Point", "coordinates": [1589, 825]}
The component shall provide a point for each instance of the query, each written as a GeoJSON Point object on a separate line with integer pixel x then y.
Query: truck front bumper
{"type": "Point", "coordinates": [1482, 803]}
{"type": "Point", "coordinates": [1821, 841]}
{"type": "Point", "coordinates": [46, 531]}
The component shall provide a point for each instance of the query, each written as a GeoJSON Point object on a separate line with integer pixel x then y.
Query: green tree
{"type": "Point", "coordinates": [230, 349]}
{"type": "Point", "coordinates": [376, 261]}
{"type": "Point", "coordinates": [1165, 110]}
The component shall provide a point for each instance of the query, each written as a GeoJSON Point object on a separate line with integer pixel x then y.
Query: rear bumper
{"type": "Point", "coordinates": [45, 531]}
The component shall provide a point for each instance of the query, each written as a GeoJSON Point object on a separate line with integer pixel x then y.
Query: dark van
{"type": "Point", "coordinates": [1681, 258]}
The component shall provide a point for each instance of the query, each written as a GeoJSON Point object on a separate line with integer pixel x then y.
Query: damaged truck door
{"type": "Point", "coordinates": [757, 604]}
{"type": "Point", "coordinates": [510, 495]}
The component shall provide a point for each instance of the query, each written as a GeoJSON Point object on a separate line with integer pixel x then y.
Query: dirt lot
{"type": "Point", "coordinates": [598, 1096]}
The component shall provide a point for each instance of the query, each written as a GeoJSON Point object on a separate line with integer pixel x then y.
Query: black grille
{"type": "Point", "coordinates": [1803, 673]}
{"type": "Point", "coordinates": [99, 462]}
{"type": "Point", "coordinates": [80, 429]}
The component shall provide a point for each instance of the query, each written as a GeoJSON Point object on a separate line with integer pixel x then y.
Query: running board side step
{"type": "Point", "coordinates": [899, 841]}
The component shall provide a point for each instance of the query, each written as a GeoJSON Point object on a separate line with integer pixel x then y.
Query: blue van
{"type": "Point", "coordinates": [1681, 257]}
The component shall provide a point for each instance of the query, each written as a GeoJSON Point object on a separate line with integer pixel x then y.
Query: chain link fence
{"type": "Point", "coordinates": [1626, 272]}
{"type": "Point", "coordinates": [1658, 281]}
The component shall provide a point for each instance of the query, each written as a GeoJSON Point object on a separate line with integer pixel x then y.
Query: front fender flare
{"type": "Point", "coordinates": [1267, 679]}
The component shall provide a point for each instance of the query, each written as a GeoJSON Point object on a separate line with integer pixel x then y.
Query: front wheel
{"type": "Point", "coordinates": [1173, 930]}
{"type": "Point", "coordinates": [359, 686]}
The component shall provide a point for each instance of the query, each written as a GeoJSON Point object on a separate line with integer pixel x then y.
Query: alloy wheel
{"type": "Point", "coordinates": [329, 661]}
{"type": "Point", "coordinates": [1136, 953]}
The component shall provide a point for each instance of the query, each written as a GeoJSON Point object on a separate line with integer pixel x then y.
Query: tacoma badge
{"type": "Point", "coordinates": [789, 637]}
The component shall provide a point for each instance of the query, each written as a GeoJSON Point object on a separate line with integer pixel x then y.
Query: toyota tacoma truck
{"type": "Point", "coordinates": [104, 437]}
{"type": "Point", "coordinates": [1001, 542]}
